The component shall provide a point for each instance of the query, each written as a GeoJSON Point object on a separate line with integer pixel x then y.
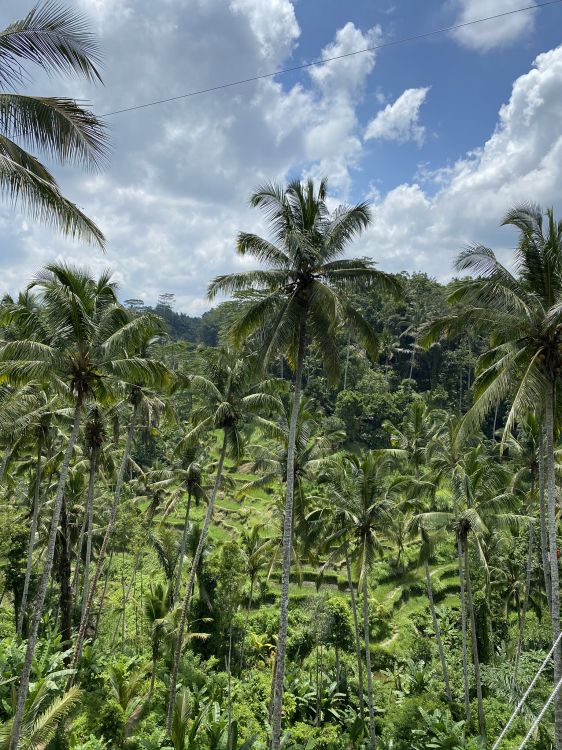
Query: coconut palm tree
{"type": "Point", "coordinates": [301, 296]}
{"type": "Point", "coordinates": [79, 347]}
{"type": "Point", "coordinates": [522, 312]}
{"type": "Point", "coordinates": [479, 503]}
{"type": "Point", "coordinates": [137, 339]}
{"type": "Point", "coordinates": [362, 508]}
{"type": "Point", "coordinates": [58, 40]}
{"type": "Point", "coordinates": [228, 398]}
{"type": "Point", "coordinates": [42, 716]}
{"type": "Point", "coordinates": [255, 548]}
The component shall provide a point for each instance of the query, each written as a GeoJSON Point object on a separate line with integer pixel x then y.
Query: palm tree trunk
{"type": "Point", "coordinates": [287, 547]}
{"type": "Point", "coordinates": [101, 557]}
{"type": "Point", "coordinates": [464, 636]}
{"type": "Point", "coordinates": [32, 533]}
{"type": "Point", "coordinates": [370, 698]}
{"type": "Point", "coordinates": [78, 557]}
{"type": "Point", "coordinates": [357, 638]}
{"type": "Point", "coordinates": [229, 691]}
{"type": "Point", "coordinates": [437, 631]}
{"type": "Point", "coordinates": [44, 581]}
{"type": "Point", "coordinates": [89, 530]}
{"type": "Point", "coordinates": [248, 608]}
{"type": "Point", "coordinates": [543, 522]}
{"type": "Point", "coordinates": [550, 486]}
{"type": "Point", "coordinates": [4, 464]}
{"type": "Point", "coordinates": [346, 361]}
{"type": "Point", "coordinates": [190, 584]}
{"type": "Point", "coordinates": [530, 549]}
{"type": "Point", "coordinates": [102, 598]}
{"type": "Point", "coordinates": [476, 660]}
{"type": "Point", "coordinates": [64, 577]}
{"type": "Point", "coordinates": [182, 547]}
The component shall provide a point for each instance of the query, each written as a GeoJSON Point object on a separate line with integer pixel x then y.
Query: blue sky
{"type": "Point", "coordinates": [442, 135]}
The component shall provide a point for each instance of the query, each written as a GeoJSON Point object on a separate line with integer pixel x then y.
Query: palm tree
{"type": "Point", "coordinates": [139, 372]}
{"type": "Point", "coordinates": [314, 449]}
{"type": "Point", "coordinates": [479, 504]}
{"type": "Point", "coordinates": [362, 509]}
{"type": "Point", "coordinates": [58, 40]}
{"type": "Point", "coordinates": [43, 714]}
{"type": "Point", "coordinates": [523, 313]}
{"type": "Point", "coordinates": [256, 552]}
{"type": "Point", "coordinates": [229, 397]}
{"type": "Point", "coordinates": [190, 473]}
{"type": "Point", "coordinates": [156, 611]}
{"type": "Point", "coordinates": [302, 295]}
{"type": "Point", "coordinates": [77, 345]}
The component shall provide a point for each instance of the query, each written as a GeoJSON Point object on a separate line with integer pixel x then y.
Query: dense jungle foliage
{"type": "Point", "coordinates": [322, 516]}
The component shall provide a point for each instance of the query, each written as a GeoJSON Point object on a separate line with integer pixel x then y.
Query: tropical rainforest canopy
{"type": "Point", "coordinates": [324, 515]}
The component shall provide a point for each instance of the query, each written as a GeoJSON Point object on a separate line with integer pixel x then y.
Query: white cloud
{"type": "Point", "coordinates": [399, 121]}
{"type": "Point", "coordinates": [497, 32]}
{"type": "Point", "coordinates": [521, 162]}
{"type": "Point", "coordinates": [175, 194]}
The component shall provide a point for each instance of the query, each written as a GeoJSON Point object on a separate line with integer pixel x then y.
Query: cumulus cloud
{"type": "Point", "coordinates": [175, 195]}
{"type": "Point", "coordinates": [521, 162]}
{"type": "Point", "coordinates": [496, 33]}
{"type": "Point", "coordinates": [399, 121]}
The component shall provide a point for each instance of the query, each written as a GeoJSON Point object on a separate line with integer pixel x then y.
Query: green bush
{"type": "Point", "coordinates": [112, 723]}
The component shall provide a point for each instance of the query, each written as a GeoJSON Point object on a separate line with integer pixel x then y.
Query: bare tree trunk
{"type": "Point", "coordinates": [32, 533]}
{"type": "Point", "coordinates": [357, 637]}
{"type": "Point", "coordinates": [44, 581]}
{"type": "Point", "coordinates": [370, 697]}
{"type": "Point", "coordinates": [550, 486]}
{"type": "Point", "coordinates": [190, 585]}
{"type": "Point", "coordinates": [476, 660]}
{"type": "Point", "coordinates": [437, 631]}
{"type": "Point", "coordinates": [464, 635]}
{"type": "Point", "coordinates": [101, 557]}
{"type": "Point", "coordinates": [89, 530]}
{"type": "Point", "coordinates": [182, 547]}
{"type": "Point", "coordinates": [287, 547]}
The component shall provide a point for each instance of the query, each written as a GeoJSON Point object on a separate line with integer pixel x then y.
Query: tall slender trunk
{"type": "Point", "coordinates": [190, 584]}
{"type": "Point", "coordinates": [229, 690]}
{"type": "Point", "coordinates": [101, 557]}
{"type": "Point", "coordinates": [464, 636]}
{"type": "Point", "coordinates": [4, 464]}
{"type": "Point", "coordinates": [32, 533]}
{"type": "Point", "coordinates": [475, 657]}
{"type": "Point", "coordinates": [182, 546]}
{"type": "Point", "coordinates": [543, 522]}
{"type": "Point", "coordinates": [346, 361]}
{"type": "Point", "coordinates": [78, 557]}
{"type": "Point", "coordinates": [248, 608]}
{"type": "Point", "coordinates": [437, 631]}
{"type": "Point", "coordinates": [287, 547]}
{"type": "Point", "coordinates": [550, 487]}
{"type": "Point", "coordinates": [102, 598]}
{"type": "Point", "coordinates": [44, 580]}
{"type": "Point", "coordinates": [89, 529]}
{"type": "Point", "coordinates": [65, 600]}
{"type": "Point", "coordinates": [523, 611]}
{"type": "Point", "coordinates": [357, 637]}
{"type": "Point", "coordinates": [370, 697]}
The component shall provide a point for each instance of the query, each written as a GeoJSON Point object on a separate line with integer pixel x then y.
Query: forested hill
{"type": "Point", "coordinates": [368, 394]}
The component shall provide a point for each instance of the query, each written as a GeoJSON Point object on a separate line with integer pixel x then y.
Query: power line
{"type": "Point", "coordinates": [304, 66]}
